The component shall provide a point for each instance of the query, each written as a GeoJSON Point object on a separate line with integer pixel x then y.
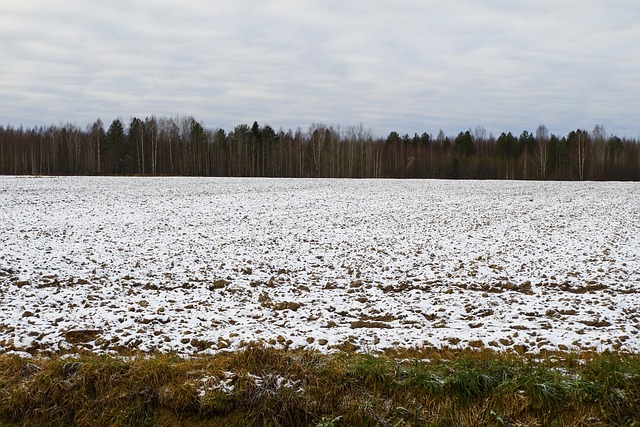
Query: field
{"type": "Point", "coordinates": [217, 302]}
{"type": "Point", "coordinates": [193, 266]}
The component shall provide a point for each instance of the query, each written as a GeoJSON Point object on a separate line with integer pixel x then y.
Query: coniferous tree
{"type": "Point", "coordinates": [115, 148]}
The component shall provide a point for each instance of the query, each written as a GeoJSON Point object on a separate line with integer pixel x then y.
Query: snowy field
{"type": "Point", "coordinates": [197, 265]}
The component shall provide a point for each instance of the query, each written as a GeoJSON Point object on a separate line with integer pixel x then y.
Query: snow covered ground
{"type": "Point", "coordinates": [194, 265]}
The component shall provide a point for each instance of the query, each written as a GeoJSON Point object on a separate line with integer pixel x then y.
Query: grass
{"type": "Point", "coordinates": [275, 387]}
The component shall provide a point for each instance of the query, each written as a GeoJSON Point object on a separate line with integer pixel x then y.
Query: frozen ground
{"type": "Point", "coordinates": [195, 265]}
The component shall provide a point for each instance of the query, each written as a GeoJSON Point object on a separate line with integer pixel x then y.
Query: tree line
{"type": "Point", "coordinates": [182, 146]}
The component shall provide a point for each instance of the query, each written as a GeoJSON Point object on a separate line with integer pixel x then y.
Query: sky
{"type": "Point", "coordinates": [403, 65]}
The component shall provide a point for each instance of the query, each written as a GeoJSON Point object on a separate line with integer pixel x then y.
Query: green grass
{"type": "Point", "coordinates": [270, 387]}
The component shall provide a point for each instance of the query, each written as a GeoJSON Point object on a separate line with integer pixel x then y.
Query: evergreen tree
{"type": "Point", "coordinates": [115, 148]}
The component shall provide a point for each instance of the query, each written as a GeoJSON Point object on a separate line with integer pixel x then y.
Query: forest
{"type": "Point", "coordinates": [182, 146]}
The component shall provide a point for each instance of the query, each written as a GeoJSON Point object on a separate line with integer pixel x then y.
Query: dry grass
{"type": "Point", "coordinates": [270, 387]}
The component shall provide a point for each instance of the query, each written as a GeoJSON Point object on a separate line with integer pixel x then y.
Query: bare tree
{"type": "Point", "coordinates": [479, 138]}
{"type": "Point", "coordinates": [96, 141]}
{"type": "Point", "coordinates": [599, 139]}
{"type": "Point", "coordinates": [151, 124]}
{"type": "Point", "coordinates": [542, 150]}
{"type": "Point", "coordinates": [317, 142]}
{"type": "Point", "coordinates": [136, 133]}
{"type": "Point", "coordinates": [580, 142]}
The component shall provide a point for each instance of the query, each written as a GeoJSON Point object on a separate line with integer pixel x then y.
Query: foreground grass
{"type": "Point", "coordinates": [261, 386]}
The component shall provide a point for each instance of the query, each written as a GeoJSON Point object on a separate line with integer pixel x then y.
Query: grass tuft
{"type": "Point", "coordinates": [263, 386]}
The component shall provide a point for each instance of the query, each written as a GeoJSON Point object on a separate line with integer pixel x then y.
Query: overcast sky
{"type": "Point", "coordinates": [404, 65]}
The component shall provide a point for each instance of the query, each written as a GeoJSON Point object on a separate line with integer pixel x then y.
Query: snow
{"type": "Point", "coordinates": [200, 265]}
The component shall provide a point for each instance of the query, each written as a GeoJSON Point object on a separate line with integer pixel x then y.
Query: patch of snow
{"type": "Point", "coordinates": [200, 265]}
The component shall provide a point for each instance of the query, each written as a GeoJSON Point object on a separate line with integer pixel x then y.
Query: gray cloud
{"type": "Point", "coordinates": [405, 65]}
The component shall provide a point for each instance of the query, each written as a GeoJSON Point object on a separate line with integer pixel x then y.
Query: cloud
{"type": "Point", "coordinates": [410, 66]}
